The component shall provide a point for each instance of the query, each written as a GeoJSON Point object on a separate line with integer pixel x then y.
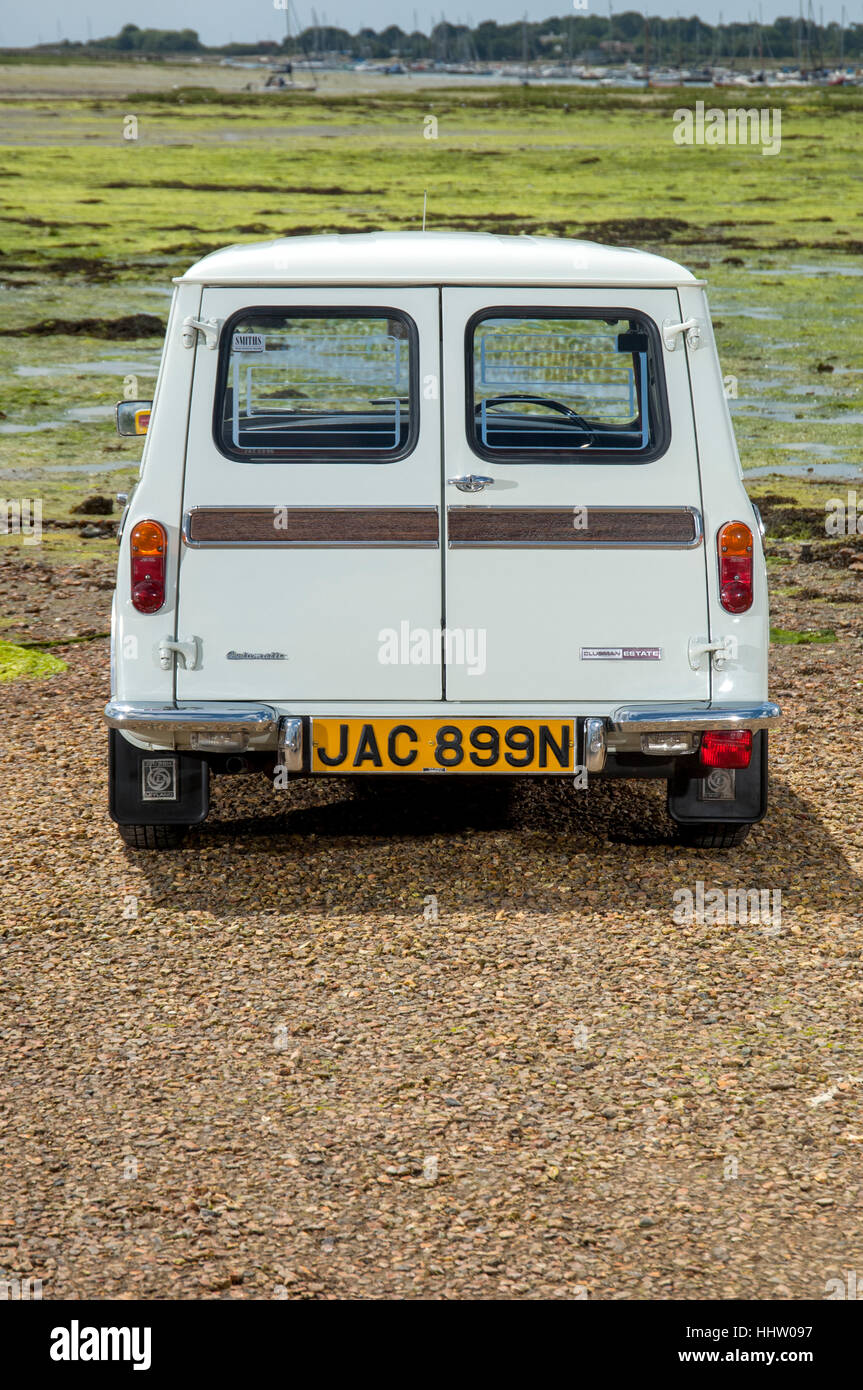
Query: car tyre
{"type": "Point", "coordinates": [712, 835]}
{"type": "Point", "coordinates": [153, 836]}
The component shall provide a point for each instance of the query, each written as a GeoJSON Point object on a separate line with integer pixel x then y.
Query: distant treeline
{"type": "Point", "coordinates": [583, 37]}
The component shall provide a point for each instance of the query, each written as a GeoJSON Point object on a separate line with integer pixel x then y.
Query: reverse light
{"type": "Point", "coordinates": [666, 745]}
{"type": "Point", "coordinates": [726, 748]}
{"type": "Point", "coordinates": [207, 741]}
{"type": "Point", "coordinates": [149, 545]}
{"type": "Point", "coordinates": [734, 544]}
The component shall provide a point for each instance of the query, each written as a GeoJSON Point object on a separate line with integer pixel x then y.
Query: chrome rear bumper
{"type": "Point", "coordinates": [229, 727]}
{"type": "Point", "coordinates": [624, 730]}
{"type": "Point", "coordinates": [647, 719]}
{"type": "Point", "coordinates": [220, 727]}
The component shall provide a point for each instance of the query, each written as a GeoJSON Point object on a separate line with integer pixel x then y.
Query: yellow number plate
{"type": "Point", "coordinates": [441, 745]}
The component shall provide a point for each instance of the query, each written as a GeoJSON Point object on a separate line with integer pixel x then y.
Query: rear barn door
{"type": "Point", "coordinates": [576, 571]}
{"type": "Point", "coordinates": [311, 497]}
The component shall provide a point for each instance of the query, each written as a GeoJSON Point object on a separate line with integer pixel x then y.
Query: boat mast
{"type": "Point", "coordinates": [646, 50]}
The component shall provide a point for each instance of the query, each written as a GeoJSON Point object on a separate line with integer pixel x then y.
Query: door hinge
{"type": "Point", "coordinates": [125, 500]}
{"type": "Point", "coordinates": [692, 328]}
{"type": "Point", "coordinates": [188, 653]}
{"type": "Point", "coordinates": [208, 328]}
{"type": "Point", "coordinates": [721, 651]}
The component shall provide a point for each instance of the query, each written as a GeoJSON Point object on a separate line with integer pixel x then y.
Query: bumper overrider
{"type": "Point", "coordinates": [227, 727]}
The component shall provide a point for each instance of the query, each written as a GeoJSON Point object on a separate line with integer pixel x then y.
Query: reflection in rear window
{"type": "Point", "coordinates": [551, 386]}
{"type": "Point", "coordinates": [322, 384]}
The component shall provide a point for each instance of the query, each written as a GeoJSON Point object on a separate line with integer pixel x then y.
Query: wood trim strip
{"type": "Point", "coordinates": [311, 526]}
{"type": "Point", "coordinates": [581, 528]}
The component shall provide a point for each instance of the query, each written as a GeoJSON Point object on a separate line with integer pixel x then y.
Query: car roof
{"type": "Point", "coordinates": [434, 258]}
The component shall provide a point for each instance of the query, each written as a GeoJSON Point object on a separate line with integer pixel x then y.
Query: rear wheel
{"type": "Point", "coordinates": [717, 809]}
{"type": "Point", "coordinates": [153, 836]}
{"type": "Point", "coordinates": [712, 835]}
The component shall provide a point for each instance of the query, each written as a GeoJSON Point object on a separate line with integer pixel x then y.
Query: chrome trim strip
{"type": "Point", "coordinates": [286, 544]}
{"type": "Point", "coordinates": [578, 543]}
{"type": "Point", "coordinates": [646, 719]}
{"type": "Point", "coordinates": [156, 721]}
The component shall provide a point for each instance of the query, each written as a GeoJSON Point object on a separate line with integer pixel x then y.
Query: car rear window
{"type": "Point", "coordinates": [317, 384]}
{"type": "Point", "coordinates": [561, 386]}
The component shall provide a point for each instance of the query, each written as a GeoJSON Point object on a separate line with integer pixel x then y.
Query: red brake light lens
{"type": "Point", "coordinates": [149, 545]}
{"type": "Point", "coordinates": [726, 748]}
{"type": "Point", "coordinates": [734, 544]}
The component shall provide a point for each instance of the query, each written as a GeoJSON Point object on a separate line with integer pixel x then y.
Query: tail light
{"type": "Point", "coordinates": [149, 548]}
{"type": "Point", "coordinates": [734, 543]}
{"type": "Point", "coordinates": [726, 748]}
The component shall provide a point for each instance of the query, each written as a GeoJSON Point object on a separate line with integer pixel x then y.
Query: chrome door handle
{"type": "Point", "coordinates": [470, 482]}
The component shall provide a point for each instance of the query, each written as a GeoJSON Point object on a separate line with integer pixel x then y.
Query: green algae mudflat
{"type": "Point", "coordinates": [94, 225]}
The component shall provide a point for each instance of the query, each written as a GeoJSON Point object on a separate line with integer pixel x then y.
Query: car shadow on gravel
{"type": "Point", "coordinates": [413, 810]}
{"type": "Point", "coordinates": [532, 839]}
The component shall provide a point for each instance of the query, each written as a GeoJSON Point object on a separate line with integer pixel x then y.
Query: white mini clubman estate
{"type": "Point", "coordinates": [437, 504]}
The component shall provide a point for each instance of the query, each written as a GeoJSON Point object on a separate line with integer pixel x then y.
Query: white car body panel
{"type": "Point", "coordinates": [434, 258]}
{"type": "Point", "coordinates": [325, 607]}
{"type": "Point", "coordinates": [540, 607]}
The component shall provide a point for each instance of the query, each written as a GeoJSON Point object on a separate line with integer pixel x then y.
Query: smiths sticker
{"type": "Point", "coordinates": [621, 653]}
{"type": "Point", "coordinates": [247, 342]}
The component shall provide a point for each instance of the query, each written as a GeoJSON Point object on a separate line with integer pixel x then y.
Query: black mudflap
{"type": "Point", "coordinates": [736, 797]}
{"type": "Point", "coordinates": [156, 788]}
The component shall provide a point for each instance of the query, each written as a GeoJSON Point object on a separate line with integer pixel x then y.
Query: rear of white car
{"type": "Point", "coordinates": [439, 504]}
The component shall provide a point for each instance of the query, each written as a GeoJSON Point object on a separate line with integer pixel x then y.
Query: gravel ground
{"type": "Point", "coordinates": [272, 1064]}
{"type": "Point", "coordinates": [45, 601]}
